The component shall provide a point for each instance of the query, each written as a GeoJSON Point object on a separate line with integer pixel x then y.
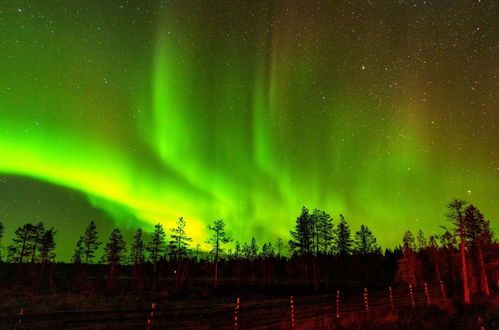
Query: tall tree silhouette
{"type": "Point", "coordinates": [37, 234]}
{"type": "Point", "coordinates": [114, 254]}
{"type": "Point", "coordinates": [156, 245]}
{"type": "Point", "coordinates": [218, 238]}
{"type": "Point", "coordinates": [90, 243]}
{"type": "Point", "coordinates": [253, 249]}
{"type": "Point", "coordinates": [178, 250]}
{"type": "Point", "coordinates": [456, 215]}
{"type": "Point", "coordinates": [343, 240]}
{"type": "Point", "coordinates": [137, 258]}
{"type": "Point", "coordinates": [46, 251]}
{"type": "Point", "coordinates": [365, 242]}
{"type": "Point", "coordinates": [22, 244]}
{"type": "Point", "coordinates": [301, 236]}
{"type": "Point", "coordinates": [479, 236]}
{"type": "Point", "coordinates": [47, 246]}
{"type": "Point", "coordinates": [137, 251]}
{"type": "Point", "coordinates": [409, 266]}
{"type": "Point", "coordinates": [179, 241]}
{"type": "Point", "coordinates": [78, 253]}
{"type": "Point", "coordinates": [324, 228]}
{"type": "Point", "coordinates": [421, 240]}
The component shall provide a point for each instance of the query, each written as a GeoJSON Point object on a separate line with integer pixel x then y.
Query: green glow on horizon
{"type": "Point", "coordinates": [182, 116]}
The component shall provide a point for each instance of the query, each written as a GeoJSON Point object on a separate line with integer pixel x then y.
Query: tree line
{"type": "Point", "coordinates": [321, 253]}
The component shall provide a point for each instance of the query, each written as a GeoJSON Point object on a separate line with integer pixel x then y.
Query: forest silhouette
{"type": "Point", "coordinates": [321, 255]}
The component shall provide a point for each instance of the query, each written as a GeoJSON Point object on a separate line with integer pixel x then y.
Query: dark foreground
{"type": "Point", "coordinates": [353, 311]}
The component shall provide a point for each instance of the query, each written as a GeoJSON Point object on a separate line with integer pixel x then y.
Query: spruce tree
{"type": "Point", "coordinates": [156, 246]}
{"type": "Point", "coordinates": [343, 240]}
{"type": "Point", "coordinates": [179, 241]}
{"type": "Point", "coordinates": [47, 246]}
{"type": "Point", "coordinates": [301, 237]}
{"type": "Point", "coordinates": [114, 254]}
{"type": "Point", "coordinates": [78, 253]}
{"type": "Point", "coordinates": [90, 243]}
{"type": "Point", "coordinates": [137, 251]}
{"type": "Point", "coordinates": [365, 242]}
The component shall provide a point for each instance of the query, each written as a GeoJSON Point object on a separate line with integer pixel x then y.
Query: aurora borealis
{"type": "Point", "coordinates": [247, 110]}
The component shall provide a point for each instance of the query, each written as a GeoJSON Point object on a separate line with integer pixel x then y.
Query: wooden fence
{"type": "Point", "coordinates": [284, 313]}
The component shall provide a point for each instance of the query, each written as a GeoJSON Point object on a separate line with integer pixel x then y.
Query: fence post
{"type": "Point", "coordinates": [151, 315]}
{"type": "Point", "coordinates": [292, 310]}
{"type": "Point", "coordinates": [236, 315]}
{"type": "Point", "coordinates": [411, 294]}
{"type": "Point", "coordinates": [391, 298]}
{"type": "Point", "coordinates": [338, 304]}
{"type": "Point", "coordinates": [366, 300]}
{"type": "Point", "coordinates": [19, 321]}
{"type": "Point", "coordinates": [442, 288]}
{"type": "Point", "coordinates": [427, 293]}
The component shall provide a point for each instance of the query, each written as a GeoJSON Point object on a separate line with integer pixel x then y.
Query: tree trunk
{"type": "Point", "coordinates": [484, 281]}
{"type": "Point", "coordinates": [215, 279]}
{"type": "Point", "coordinates": [466, 289]}
{"type": "Point", "coordinates": [437, 266]}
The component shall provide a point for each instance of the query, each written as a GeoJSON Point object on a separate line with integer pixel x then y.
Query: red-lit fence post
{"type": "Point", "coordinates": [366, 300]}
{"type": "Point", "coordinates": [19, 321]}
{"type": "Point", "coordinates": [427, 294]}
{"type": "Point", "coordinates": [151, 315]}
{"type": "Point", "coordinates": [292, 310]}
{"type": "Point", "coordinates": [338, 304]}
{"type": "Point", "coordinates": [236, 315]}
{"type": "Point", "coordinates": [442, 288]}
{"type": "Point", "coordinates": [391, 298]}
{"type": "Point", "coordinates": [411, 294]}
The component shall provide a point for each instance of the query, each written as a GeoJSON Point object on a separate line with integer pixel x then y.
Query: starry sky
{"type": "Point", "coordinates": [131, 113]}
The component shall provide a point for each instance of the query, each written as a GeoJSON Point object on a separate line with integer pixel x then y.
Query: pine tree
{"type": "Point", "coordinates": [343, 239]}
{"type": "Point", "coordinates": [37, 234]}
{"type": "Point", "coordinates": [253, 249]}
{"type": "Point", "coordinates": [47, 246]}
{"type": "Point", "coordinates": [324, 228]}
{"type": "Point", "coordinates": [421, 241]}
{"type": "Point", "coordinates": [217, 239]}
{"type": "Point", "coordinates": [22, 244]}
{"type": "Point", "coordinates": [156, 246]}
{"type": "Point", "coordinates": [479, 235]}
{"type": "Point", "coordinates": [246, 251]}
{"type": "Point", "coordinates": [268, 251]}
{"type": "Point", "coordinates": [137, 251]}
{"type": "Point", "coordinates": [114, 254]}
{"type": "Point", "coordinates": [365, 242]}
{"type": "Point", "coordinates": [90, 242]}
{"type": "Point", "coordinates": [115, 248]}
{"type": "Point", "coordinates": [237, 251]}
{"type": "Point", "coordinates": [409, 267]}
{"type": "Point", "coordinates": [301, 237]}
{"type": "Point", "coordinates": [46, 251]}
{"type": "Point", "coordinates": [456, 215]}
{"type": "Point", "coordinates": [77, 257]}
{"type": "Point", "coordinates": [179, 241]}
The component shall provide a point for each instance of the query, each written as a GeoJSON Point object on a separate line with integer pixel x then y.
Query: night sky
{"type": "Point", "coordinates": [137, 112]}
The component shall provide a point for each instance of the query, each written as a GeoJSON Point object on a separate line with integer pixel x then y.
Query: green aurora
{"type": "Point", "coordinates": [247, 110]}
